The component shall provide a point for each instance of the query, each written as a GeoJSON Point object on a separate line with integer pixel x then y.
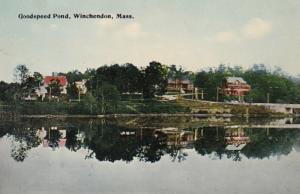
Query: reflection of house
{"type": "Point", "coordinates": [80, 136]}
{"type": "Point", "coordinates": [41, 133]}
{"type": "Point", "coordinates": [175, 136]}
{"type": "Point", "coordinates": [180, 85]}
{"type": "Point", "coordinates": [235, 86]}
{"type": "Point", "coordinates": [127, 133]}
{"type": "Point", "coordinates": [45, 135]}
{"type": "Point", "coordinates": [80, 85]}
{"type": "Point", "coordinates": [236, 139]}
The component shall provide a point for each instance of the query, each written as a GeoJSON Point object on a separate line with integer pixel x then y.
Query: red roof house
{"type": "Point", "coordinates": [62, 80]}
{"type": "Point", "coordinates": [235, 86]}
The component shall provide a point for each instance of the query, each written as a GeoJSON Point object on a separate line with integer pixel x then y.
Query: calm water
{"type": "Point", "coordinates": [148, 156]}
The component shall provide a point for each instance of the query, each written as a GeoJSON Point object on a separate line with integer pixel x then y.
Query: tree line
{"type": "Point", "coordinates": [265, 83]}
{"type": "Point", "coordinates": [106, 83]}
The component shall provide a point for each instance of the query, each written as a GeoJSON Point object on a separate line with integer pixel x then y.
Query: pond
{"type": "Point", "coordinates": [149, 155]}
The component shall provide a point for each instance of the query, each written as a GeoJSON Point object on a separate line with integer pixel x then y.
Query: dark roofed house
{"type": "Point", "coordinates": [235, 86]}
{"type": "Point", "coordinates": [180, 85]}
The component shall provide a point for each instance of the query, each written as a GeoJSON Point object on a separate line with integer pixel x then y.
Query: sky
{"type": "Point", "coordinates": [195, 34]}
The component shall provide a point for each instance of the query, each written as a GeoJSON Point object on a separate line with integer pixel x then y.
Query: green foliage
{"type": "Point", "coordinates": [108, 98]}
{"type": "Point", "coordinates": [279, 87]}
{"type": "Point", "coordinates": [72, 91]}
{"type": "Point", "coordinates": [90, 103]}
{"type": "Point", "coordinates": [3, 88]}
{"type": "Point", "coordinates": [155, 80]}
{"type": "Point", "coordinates": [54, 88]}
{"type": "Point", "coordinates": [21, 73]}
{"type": "Point", "coordinates": [179, 73]}
{"type": "Point", "coordinates": [127, 78]}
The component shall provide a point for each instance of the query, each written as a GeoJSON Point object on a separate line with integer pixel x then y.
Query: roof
{"type": "Point", "coordinates": [235, 79]}
{"type": "Point", "coordinates": [62, 80]}
{"type": "Point", "coordinates": [184, 81]}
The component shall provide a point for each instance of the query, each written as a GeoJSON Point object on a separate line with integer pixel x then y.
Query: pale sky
{"type": "Point", "coordinates": [195, 34]}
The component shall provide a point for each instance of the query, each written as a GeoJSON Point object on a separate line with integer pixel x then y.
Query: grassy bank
{"type": "Point", "coordinates": [141, 107]}
{"type": "Point", "coordinates": [75, 108]}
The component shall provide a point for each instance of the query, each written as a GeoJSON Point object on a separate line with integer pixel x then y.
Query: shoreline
{"type": "Point", "coordinates": [156, 115]}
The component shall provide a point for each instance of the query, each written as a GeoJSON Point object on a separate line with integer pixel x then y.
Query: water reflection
{"type": "Point", "coordinates": [109, 141]}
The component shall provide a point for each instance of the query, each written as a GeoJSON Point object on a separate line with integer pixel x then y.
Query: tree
{"type": "Point", "coordinates": [38, 79]}
{"type": "Point", "coordinates": [155, 80]}
{"type": "Point", "coordinates": [133, 77]}
{"type": "Point", "coordinates": [90, 75]}
{"type": "Point", "coordinates": [72, 90]}
{"type": "Point", "coordinates": [177, 73]}
{"type": "Point", "coordinates": [73, 76]}
{"type": "Point", "coordinates": [21, 74]}
{"type": "Point", "coordinates": [90, 103]}
{"type": "Point", "coordinates": [108, 98]}
{"type": "Point", "coordinates": [54, 88]}
{"type": "Point", "coordinates": [3, 87]}
{"type": "Point", "coordinates": [127, 77]}
{"type": "Point", "coordinates": [13, 92]}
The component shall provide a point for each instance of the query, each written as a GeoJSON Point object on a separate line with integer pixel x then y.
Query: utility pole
{"type": "Point", "coordinates": [217, 96]}
{"type": "Point", "coordinates": [196, 93]}
{"type": "Point", "coordinates": [268, 94]}
{"type": "Point", "coordinates": [102, 102]}
{"type": "Point", "coordinates": [50, 93]}
{"type": "Point", "coordinates": [79, 95]}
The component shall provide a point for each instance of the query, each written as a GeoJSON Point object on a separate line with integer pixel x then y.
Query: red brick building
{"type": "Point", "coordinates": [235, 86]}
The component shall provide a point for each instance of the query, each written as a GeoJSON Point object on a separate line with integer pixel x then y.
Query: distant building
{"type": "Point", "coordinates": [182, 86]}
{"type": "Point", "coordinates": [63, 82]}
{"type": "Point", "coordinates": [80, 85]}
{"type": "Point", "coordinates": [42, 91]}
{"type": "Point", "coordinates": [235, 86]}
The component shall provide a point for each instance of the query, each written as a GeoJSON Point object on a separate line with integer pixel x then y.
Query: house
{"type": "Point", "coordinates": [183, 86]}
{"type": "Point", "coordinates": [62, 80]}
{"type": "Point", "coordinates": [42, 91]}
{"type": "Point", "coordinates": [80, 85]}
{"type": "Point", "coordinates": [175, 136]}
{"type": "Point", "coordinates": [235, 86]}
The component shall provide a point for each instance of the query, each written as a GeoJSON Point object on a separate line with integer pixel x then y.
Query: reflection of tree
{"type": "Point", "coordinates": [108, 145]}
{"type": "Point", "coordinates": [2, 132]}
{"type": "Point", "coordinates": [177, 153]}
{"type": "Point", "coordinates": [53, 137]}
{"type": "Point", "coordinates": [72, 142]}
{"type": "Point", "coordinates": [23, 140]}
{"type": "Point", "coordinates": [151, 149]}
{"type": "Point", "coordinates": [212, 143]}
{"type": "Point", "coordinates": [19, 151]}
{"type": "Point", "coordinates": [210, 146]}
{"type": "Point", "coordinates": [234, 155]}
{"type": "Point", "coordinates": [261, 145]}
{"type": "Point", "coordinates": [278, 142]}
{"type": "Point", "coordinates": [104, 141]}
